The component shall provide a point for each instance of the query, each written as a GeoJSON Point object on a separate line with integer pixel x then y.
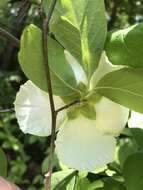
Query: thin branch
{"type": "Point", "coordinates": [68, 106]}
{"type": "Point", "coordinates": [7, 110]}
{"type": "Point", "coordinates": [9, 37]}
{"type": "Point", "coordinates": [46, 21]}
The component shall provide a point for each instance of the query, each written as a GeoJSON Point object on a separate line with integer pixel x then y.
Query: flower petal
{"type": "Point", "coordinates": [136, 120]}
{"type": "Point", "coordinates": [76, 67]}
{"type": "Point", "coordinates": [104, 67]}
{"type": "Point", "coordinates": [111, 117]}
{"type": "Point", "coordinates": [81, 146]}
{"type": "Point", "coordinates": [33, 112]}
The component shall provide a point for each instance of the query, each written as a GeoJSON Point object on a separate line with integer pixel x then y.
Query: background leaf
{"type": "Point", "coordinates": [138, 136]}
{"type": "Point", "coordinates": [133, 172]}
{"type": "Point", "coordinates": [125, 47]}
{"type": "Point", "coordinates": [3, 164]}
{"type": "Point", "coordinates": [125, 148]}
{"type": "Point", "coordinates": [110, 184]}
{"type": "Point", "coordinates": [61, 179]}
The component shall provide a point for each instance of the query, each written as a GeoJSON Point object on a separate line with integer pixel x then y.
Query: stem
{"type": "Point", "coordinates": [7, 110]}
{"type": "Point", "coordinates": [54, 112]}
{"type": "Point", "coordinates": [46, 21]}
{"type": "Point", "coordinates": [10, 37]}
{"type": "Point", "coordinates": [68, 106]}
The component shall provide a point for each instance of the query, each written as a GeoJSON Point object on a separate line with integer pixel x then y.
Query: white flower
{"type": "Point", "coordinates": [104, 67]}
{"type": "Point", "coordinates": [82, 143]}
{"type": "Point", "coordinates": [136, 120]}
{"type": "Point", "coordinates": [77, 69]}
{"type": "Point", "coordinates": [33, 112]}
{"type": "Point", "coordinates": [82, 146]}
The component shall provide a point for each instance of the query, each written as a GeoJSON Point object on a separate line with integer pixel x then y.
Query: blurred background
{"type": "Point", "coordinates": [27, 155]}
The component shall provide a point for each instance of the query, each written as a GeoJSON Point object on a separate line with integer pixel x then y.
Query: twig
{"type": "Point", "coordinates": [46, 21]}
{"type": "Point", "coordinates": [54, 112]}
{"type": "Point", "coordinates": [68, 106]}
{"type": "Point", "coordinates": [10, 37]}
{"type": "Point", "coordinates": [7, 110]}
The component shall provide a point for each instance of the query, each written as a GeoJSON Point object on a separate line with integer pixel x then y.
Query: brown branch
{"type": "Point", "coordinates": [54, 112]}
{"type": "Point", "coordinates": [46, 21]}
{"type": "Point", "coordinates": [68, 106]}
{"type": "Point", "coordinates": [10, 37]}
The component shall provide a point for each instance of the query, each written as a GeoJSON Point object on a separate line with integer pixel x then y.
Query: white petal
{"type": "Point", "coordinates": [111, 117]}
{"type": "Point", "coordinates": [33, 112]}
{"type": "Point", "coordinates": [104, 67]}
{"type": "Point", "coordinates": [136, 120]}
{"type": "Point", "coordinates": [81, 146]}
{"type": "Point", "coordinates": [76, 67]}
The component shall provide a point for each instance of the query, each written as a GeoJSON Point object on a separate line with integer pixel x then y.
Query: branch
{"type": "Point", "coordinates": [9, 37]}
{"type": "Point", "coordinates": [46, 21]}
{"type": "Point", "coordinates": [7, 110]}
{"type": "Point", "coordinates": [68, 106]}
{"type": "Point", "coordinates": [54, 112]}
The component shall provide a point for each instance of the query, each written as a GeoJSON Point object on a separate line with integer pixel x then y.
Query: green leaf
{"type": "Point", "coordinates": [45, 164]}
{"type": "Point", "coordinates": [45, 5]}
{"type": "Point", "coordinates": [110, 184]}
{"type": "Point", "coordinates": [125, 148]}
{"type": "Point", "coordinates": [125, 47]}
{"type": "Point", "coordinates": [93, 34]}
{"type": "Point", "coordinates": [31, 61]}
{"type": "Point", "coordinates": [82, 183]}
{"type": "Point", "coordinates": [138, 136]}
{"type": "Point", "coordinates": [3, 164]}
{"type": "Point", "coordinates": [61, 179]}
{"type": "Point", "coordinates": [85, 21]}
{"type": "Point", "coordinates": [96, 184]}
{"type": "Point", "coordinates": [68, 35]}
{"type": "Point", "coordinates": [124, 86]}
{"type": "Point", "coordinates": [88, 111]}
{"type": "Point", "coordinates": [133, 172]}
{"type": "Point", "coordinates": [3, 3]}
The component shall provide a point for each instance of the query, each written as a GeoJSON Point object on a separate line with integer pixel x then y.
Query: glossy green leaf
{"type": "Point", "coordinates": [61, 179]}
{"type": "Point", "coordinates": [3, 164]}
{"type": "Point", "coordinates": [93, 34]}
{"type": "Point", "coordinates": [85, 21]}
{"type": "Point", "coordinates": [124, 86]}
{"type": "Point", "coordinates": [125, 47]}
{"type": "Point", "coordinates": [68, 35]}
{"type": "Point", "coordinates": [133, 172]}
{"type": "Point", "coordinates": [31, 61]}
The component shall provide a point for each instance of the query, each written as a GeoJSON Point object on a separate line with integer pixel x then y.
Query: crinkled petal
{"type": "Point", "coordinates": [77, 69]}
{"type": "Point", "coordinates": [33, 112]}
{"type": "Point", "coordinates": [81, 146]}
{"type": "Point", "coordinates": [136, 120]}
{"type": "Point", "coordinates": [104, 67]}
{"type": "Point", "coordinates": [111, 117]}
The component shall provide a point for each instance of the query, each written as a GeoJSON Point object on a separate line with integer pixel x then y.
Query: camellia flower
{"type": "Point", "coordinates": [83, 143]}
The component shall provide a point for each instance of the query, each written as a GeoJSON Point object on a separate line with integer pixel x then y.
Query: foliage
{"type": "Point", "coordinates": [25, 166]}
